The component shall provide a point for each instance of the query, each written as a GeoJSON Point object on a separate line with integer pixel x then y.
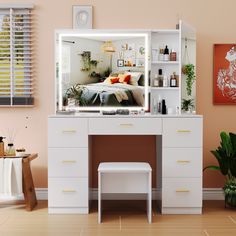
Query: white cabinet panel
{"type": "Point", "coordinates": [182, 132]}
{"type": "Point", "coordinates": [68, 192]}
{"type": "Point", "coordinates": [129, 126]}
{"type": "Point", "coordinates": [68, 162]}
{"type": "Point", "coordinates": [68, 132]}
{"type": "Point", "coordinates": [182, 162]}
{"type": "Point", "coordinates": [182, 192]}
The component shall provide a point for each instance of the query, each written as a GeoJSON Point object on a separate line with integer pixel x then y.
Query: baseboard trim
{"type": "Point", "coordinates": [208, 194]}
{"type": "Point", "coordinates": [213, 194]}
{"type": "Point", "coordinates": [41, 193]}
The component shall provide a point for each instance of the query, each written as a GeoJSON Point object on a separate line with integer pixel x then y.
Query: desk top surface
{"type": "Point", "coordinates": [146, 115]}
{"type": "Point", "coordinates": [25, 158]}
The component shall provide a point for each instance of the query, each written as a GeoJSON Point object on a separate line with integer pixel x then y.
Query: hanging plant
{"type": "Point", "coordinates": [87, 62]}
{"type": "Point", "coordinates": [86, 57]}
{"type": "Point", "coordinates": [188, 70]}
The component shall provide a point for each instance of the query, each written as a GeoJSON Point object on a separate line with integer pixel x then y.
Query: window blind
{"type": "Point", "coordinates": [16, 62]}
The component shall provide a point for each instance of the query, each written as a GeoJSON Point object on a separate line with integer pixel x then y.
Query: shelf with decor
{"type": "Point", "coordinates": [163, 88]}
{"type": "Point", "coordinates": [167, 51]}
{"type": "Point", "coordinates": [165, 62]}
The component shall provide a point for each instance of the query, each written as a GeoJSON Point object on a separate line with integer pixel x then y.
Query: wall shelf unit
{"type": "Point", "coordinates": [174, 39]}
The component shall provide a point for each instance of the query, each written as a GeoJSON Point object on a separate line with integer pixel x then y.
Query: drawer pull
{"type": "Point", "coordinates": [67, 131]}
{"type": "Point", "coordinates": [126, 125]}
{"type": "Point", "coordinates": [183, 161]}
{"type": "Point", "coordinates": [69, 161]}
{"type": "Point", "coordinates": [183, 131]}
{"type": "Point", "coordinates": [182, 190]}
{"type": "Point", "coordinates": [68, 191]}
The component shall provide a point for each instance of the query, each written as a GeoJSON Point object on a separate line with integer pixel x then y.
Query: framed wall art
{"type": "Point", "coordinates": [224, 81]}
{"type": "Point", "coordinates": [120, 63]}
{"type": "Point", "coordinates": [82, 17]}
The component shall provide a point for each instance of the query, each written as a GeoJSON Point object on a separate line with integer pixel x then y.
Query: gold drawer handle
{"type": "Point", "coordinates": [68, 190]}
{"type": "Point", "coordinates": [183, 131]}
{"type": "Point", "coordinates": [126, 125]}
{"type": "Point", "coordinates": [69, 161]}
{"type": "Point", "coordinates": [182, 190]}
{"type": "Point", "coordinates": [183, 161]}
{"type": "Point", "coordinates": [69, 131]}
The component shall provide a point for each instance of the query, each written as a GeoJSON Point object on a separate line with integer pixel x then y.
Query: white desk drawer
{"type": "Point", "coordinates": [71, 192]}
{"type": "Point", "coordinates": [129, 126]}
{"type": "Point", "coordinates": [182, 132]}
{"type": "Point", "coordinates": [68, 162]}
{"type": "Point", "coordinates": [182, 192]}
{"type": "Point", "coordinates": [67, 132]}
{"type": "Point", "coordinates": [182, 162]}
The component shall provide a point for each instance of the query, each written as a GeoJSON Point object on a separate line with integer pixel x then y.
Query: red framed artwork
{"type": "Point", "coordinates": [224, 81]}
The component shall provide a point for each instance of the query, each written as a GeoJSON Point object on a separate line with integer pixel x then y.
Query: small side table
{"type": "Point", "coordinates": [28, 183]}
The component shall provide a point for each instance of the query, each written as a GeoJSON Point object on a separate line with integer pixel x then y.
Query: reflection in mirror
{"type": "Point", "coordinates": [188, 42]}
{"type": "Point", "coordinates": [101, 71]}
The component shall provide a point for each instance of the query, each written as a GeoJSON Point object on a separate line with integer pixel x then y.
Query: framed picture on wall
{"type": "Point", "coordinates": [120, 63]}
{"type": "Point", "coordinates": [224, 80]}
{"type": "Point", "coordinates": [82, 17]}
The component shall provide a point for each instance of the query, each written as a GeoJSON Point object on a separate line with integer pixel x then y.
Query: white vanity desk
{"type": "Point", "coordinates": [179, 150]}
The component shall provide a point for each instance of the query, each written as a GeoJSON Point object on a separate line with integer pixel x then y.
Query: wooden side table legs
{"type": "Point", "coordinates": [28, 186]}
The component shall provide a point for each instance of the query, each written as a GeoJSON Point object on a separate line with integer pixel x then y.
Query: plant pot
{"type": "Point", "coordinates": [230, 193]}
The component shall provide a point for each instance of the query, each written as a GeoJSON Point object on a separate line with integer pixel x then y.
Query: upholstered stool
{"type": "Point", "coordinates": [125, 177]}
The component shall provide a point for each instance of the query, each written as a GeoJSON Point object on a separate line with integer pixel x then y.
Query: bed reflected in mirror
{"type": "Point", "coordinates": [101, 70]}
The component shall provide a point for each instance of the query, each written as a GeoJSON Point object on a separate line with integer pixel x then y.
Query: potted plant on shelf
{"type": "Point", "coordinates": [226, 157]}
{"type": "Point", "coordinates": [187, 104]}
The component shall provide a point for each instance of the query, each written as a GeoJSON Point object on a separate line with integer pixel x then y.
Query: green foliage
{"type": "Point", "coordinates": [230, 192]}
{"type": "Point", "coordinates": [225, 154]}
{"type": "Point", "coordinates": [188, 70]}
{"type": "Point", "coordinates": [187, 104]}
{"type": "Point", "coordinates": [76, 91]}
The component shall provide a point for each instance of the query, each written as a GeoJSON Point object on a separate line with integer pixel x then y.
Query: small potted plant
{"type": "Point", "coordinates": [225, 154]}
{"type": "Point", "coordinates": [187, 105]}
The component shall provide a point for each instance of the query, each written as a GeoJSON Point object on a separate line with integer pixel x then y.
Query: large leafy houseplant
{"type": "Point", "coordinates": [226, 157]}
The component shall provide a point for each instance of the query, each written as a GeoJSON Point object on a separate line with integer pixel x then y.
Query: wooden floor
{"type": "Point", "coordinates": [119, 218]}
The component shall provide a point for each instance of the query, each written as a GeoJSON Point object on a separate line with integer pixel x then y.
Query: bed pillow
{"type": "Point", "coordinates": [116, 73]}
{"type": "Point", "coordinates": [135, 76]}
{"type": "Point", "coordinates": [123, 78]}
{"type": "Point", "coordinates": [111, 80]}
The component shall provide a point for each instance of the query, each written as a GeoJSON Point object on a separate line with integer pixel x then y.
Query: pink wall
{"type": "Point", "coordinates": [213, 20]}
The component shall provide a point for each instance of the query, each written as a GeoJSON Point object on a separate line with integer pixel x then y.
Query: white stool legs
{"type": "Point", "coordinates": [125, 177]}
{"type": "Point", "coordinates": [149, 198]}
{"type": "Point", "coordinates": [99, 198]}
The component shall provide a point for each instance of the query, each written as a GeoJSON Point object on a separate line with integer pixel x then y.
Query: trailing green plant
{"type": "Point", "coordinates": [187, 104]}
{"type": "Point", "coordinates": [225, 155]}
{"type": "Point", "coordinates": [100, 75]}
{"type": "Point", "coordinates": [76, 92]}
{"type": "Point", "coordinates": [93, 63]}
{"type": "Point", "coordinates": [87, 62]}
{"type": "Point", "coordinates": [189, 71]}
